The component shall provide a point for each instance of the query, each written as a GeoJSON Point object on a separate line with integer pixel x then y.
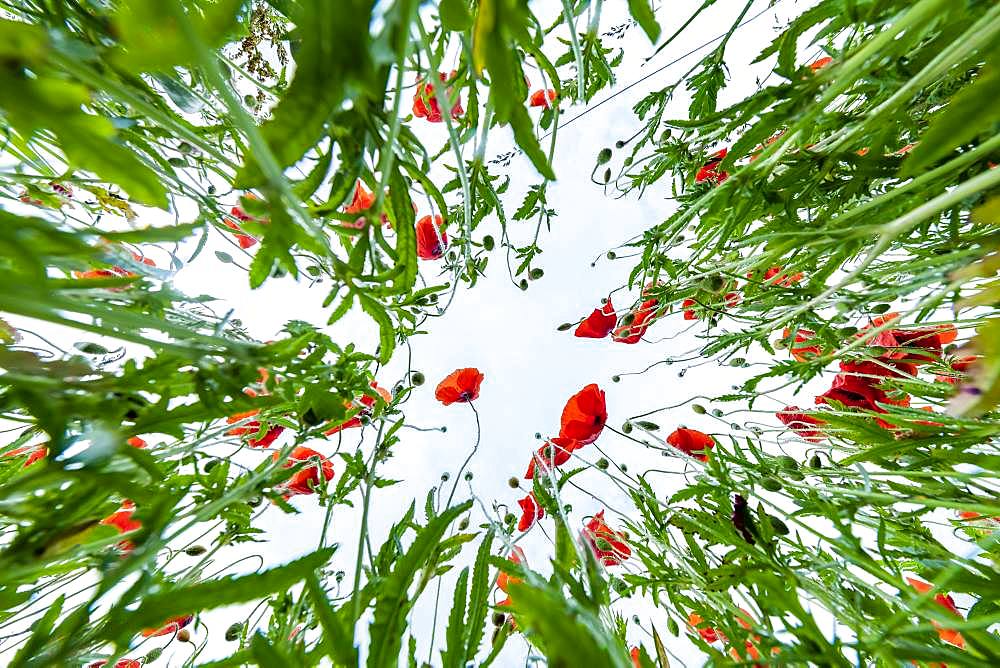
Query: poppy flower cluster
{"type": "Point", "coordinates": [582, 421]}
{"type": "Point", "coordinates": [251, 430]}
{"type": "Point", "coordinates": [951, 636]}
{"type": "Point", "coordinates": [729, 300]}
{"type": "Point", "coordinates": [608, 545]}
{"type": "Point", "coordinates": [242, 238]}
{"type": "Point", "coordinates": [860, 384]}
{"type": "Point", "coordinates": [425, 102]}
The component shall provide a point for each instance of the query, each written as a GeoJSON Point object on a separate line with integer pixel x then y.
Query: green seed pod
{"type": "Point", "coordinates": [627, 428]}
{"type": "Point", "coordinates": [737, 361]}
{"type": "Point", "coordinates": [770, 484]}
{"type": "Point", "coordinates": [619, 144]}
{"type": "Point", "coordinates": [509, 519]}
{"type": "Point", "coordinates": [513, 483]}
{"type": "Point", "coordinates": [602, 464]}
{"type": "Point", "coordinates": [623, 468]}
{"type": "Point", "coordinates": [612, 255]}
{"type": "Point", "coordinates": [417, 378]}
{"type": "Point", "coordinates": [607, 175]}
{"type": "Point", "coordinates": [698, 409]}
{"type": "Point", "coordinates": [195, 551]}
{"type": "Point", "coordinates": [535, 274]}
{"type": "Point", "coordinates": [717, 412]}
{"type": "Point", "coordinates": [468, 476]}
{"type": "Point", "coordinates": [234, 631]}
{"type": "Point", "coordinates": [627, 162]}
{"type": "Point", "coordinates": [153, 655]}
{"type": "Point", "coordinates": [464, 524]}
{"type": "Point", "coordinates": [211, 464]}
{"type": "Point", "coordinates": [647, 425]}
{"type": "Point", "coordinates": [815, 462]}
{"type": "Point", "coordinates": [616, 378]}
{"type": "Point", "coordinates": [779, 527]}
{"type": "Point", "coordinates": [563, 327]}
{"type": "Point", "coordinates": [523, 284]}
{"type": "Point", "coordinates": [604, 156]}
{"type": "Point", "coordinates": [488, 242]}
{"type": "Point", "coordinates": [787, 462]}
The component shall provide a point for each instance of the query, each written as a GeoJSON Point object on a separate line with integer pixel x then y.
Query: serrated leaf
{"type": "Point", "coordinates": [642, 12]}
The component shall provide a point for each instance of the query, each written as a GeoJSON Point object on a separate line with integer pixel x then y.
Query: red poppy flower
{"type": "Point", "coordinates": [692, 442]}
{"type": "Point", "coordinates": [803, 424]}
{"type": "Point", "coordinates": [136, 442]}
{"type": "Point", "coordinates": [431, 238]}
{"type": "Point", "coordinates": [555, 452]}
{"type": "Point", "coordinates": [172, 625]}
{"type": "Point", "coordinates": [584, 415]}
{"type": "Point", "coordinates": [760, 149]}
{"type": "Point", "coordinates": [252, 428]}
{"type": "Point", "coordinates": [245, 240]}
{"type": "Point", "coordinates": [918, 345]}
{"type": "Point", "coordinates": [960, 366]}
{"type": "Point", "coordinates": [774, 276]}
{"type": "Point", "coordinates": [542, 98]}
{"type": "Point", "coordinates": [122, 520]}
{"type": "Point", "coordinates": [817, 65]}
{"type": "Point", "coordinates": [425, 103]}
{"type": "Point", "coordinates": [732, 299]}
{"type": "Point", "coordinates": [120, 663]}
{"type": "Point", "coordinates": [948, 603]}
{"type": "Point", "coordinates": [634, 653]}
{"type": "Point", "coordinates": [689, 312]}
{"type": "Point", "coordinates": [608, 545]}
{"type": "Point", "coordinates": [35, 453]}
{"type": "Point", "coordinates": [879, 368]}
{"type": "Point", "coordinates": [306, 480]}
{"type": "Point", "coordinates": [638, 321]}
{"type": "Point", "coordinates": [460, 386]}
{"type": "Point", "coordinates": [802, 353]}
{"type": "Point", "coordinates": [707, 633]}
{"type": "Point", "coordinates": [709, 171]}
{"type": "Point", "coordinates": [598, 324]}
{"type": "Point", "coordinates": [504, 580]}
{"type": "Point", "coordinates": [530, 512]}
{"type": "Point", "coordinates": [367, 402]}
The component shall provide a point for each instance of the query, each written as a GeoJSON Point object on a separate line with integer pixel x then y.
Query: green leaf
{"type": "Point", "coordinates": [455, 15]}
{"type": "Point", "coordinates": [336, 637]}
{"type": "Point", "coordinates": [642, 12]}
{"type": "Point", "coordinates": [266, 654]}
{"type": "Point", "coordinates": [453, 655]}
{"type": "Point", "coordinates": [28, 654]}
{"type": "Point", "coordinates": [524, 134]}
{"type": "Point", "coordinates": [332, 58]}
{"type": "Point", "coordinates": [972, 111]}
{"type": "Point", "coordinates": [211, 594]}
{"type": "Point", "coordinates": [386, 332]}
{"type": "Point", "coordinates": [308, 186]}
{"type": "Point", "coordinates": [393, 605]}
{"type": "Point", "coordinates": [478, 598]}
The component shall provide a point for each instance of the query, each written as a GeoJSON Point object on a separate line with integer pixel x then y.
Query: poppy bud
{"type": "Point", "coordinates": [177, 162]}
{"type": "Point", "coordinates": [816, 462]}
{"type": "Point", "coordinates": [737, 361]}
{"type": "Point", "coordinates": [513, 483]}
{"type": "Point", "coordinates": [445, 477]}
{"type": "Point", "coordinates": [627, 161]}
{"type": "Point", "coordinates": [770, 484]}
{"type": "Point", "coordinates": [234, 631]}
{"type": "Point", "coordinates": [535, 274]}
{"type": "Point", "coordinates": [713, 283]}
{"type": "Point", "coordinates": [619, 144]}
{"type": "Point", "coordinates": [612, 255]}
{"type": "Point", "coordinates": [464, 524]}
{"type": "Point", "coordinates": [195, 551]}
{"type": "Point", "coordinates": [848, 331]}
{"type": "Point", "coordinates": [717, 412]}
{"type": "Point", "coordinates": [563, 327]}
{"type": "Point", "coordinates": [468, 476]}
{"type": "Point", "coordinates": [648, 426]}
{"type": "Point", "coordinates": [211, 190]}
{"type": "Point", "coordinates": [537, 435]}
{"type": "Point", "coordinates": [604, 156]}
{"type": "Point", "coordinates": [488, 242]}
{"type": "Point", "coordinates": [779, 527]}
{"type": "Point", "coordinates": [635, 619]}
{"type": "Point", "coordinates": [211, 464]}
{"type": "Point", "coordinates": [309, 418]}
{"type": "Point", "coordinates": [153, 655]}
{"type": "Point", "coordinates": [184, 635]}
{"type": "Point", "coordinates": [523, 284]}
{"type": "Point", "coordinates": [698, 409]}
{"type": "Point", "coordinates": [607, 175]}
{"type": "Point", "coordinates": [417, 378]}
{"type": "Point", "coordinates": [602, 464]}
{"type": "Point", "coordinates": [788, 462]}
{"type": "Point", "coordinates": [250, 101]}
{"type": "Point", "coordinates": [567, 509]}
{"type": "Point", "coordinates": [627, 428]}
{"type": "Point", "coordinates": [509, 518]}
{"type": "Point", "coordinates": [498, 618]}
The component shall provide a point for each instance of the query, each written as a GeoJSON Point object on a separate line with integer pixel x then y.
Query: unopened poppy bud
{"type": "Point", "coordinates": [498, 618]}
{"type": "Point", "coordinates": [627, 428]}
{"type": "Point", "coordinates": [339, 576]}
{"type": "Point", "coordinates": [698, 408]}
{"type": "Point", "coordinates": [635, 619]}
{"type": "Point", "coordinates": [737, 361]}
{"type": "Point", "coordinates": [779, 344]}
{"type": "Point", "coordinates": [563, 327]}
{"type": "Point", "coordinates": [717, 412]}
{"type": "Point", "coordinates": [464, 524]}
{"type": "Point", "coordinates": [648, 426]}
{"type": "Point", "coordinates": [627, 161]}
{"type": "Point", "coordinates": [602, 464]}
{"type": "Point", "coordinates": [535, 274]}
{"type": "Point", "coordinates": [770, 484]}
{"type": "Point", "coordinates": [488, 242]}
{"type": "Point", "coordinates": [714, 283]}
{"type": "Point", "coordinates": [788, 462]}
{"type": "Point", "coordinates": [537, 435]}
{"type": "Point", "coordinates": [417, 378]}
{"type": "Point", "coordinates": [468, 476]}
{"type": "Point", "coordinates": [619, 144]}
{"type": "Point", "coordinates": [612, 255]}
{"type": "Point", "coordinates": [250, 101]}
{"type": "Point", "coordinates": [153, 655]}
{"type": "Point", "coordinates": [195, 551]}
{"type": "Point", "coordinates": [604, 156]}
{"type": "Point", "coordinates": [779, 527]}
{"type": "Point", "coordinates": [816, 462]}
{"type": "Point", "coordinates": [184, 635]}
{"type": "Point", "coordinates": [445, 477]}
{"type": "Point", "coordinates": [623, 467]}
{"type": "Point", "coordinates": [607, 175]}
{"type": "Point", "coordinates": [234, 631]}
{"type": "Point", "coordinates": [616, 378]}
{"type": "Point", "coordinates": [509, 518]}
{"type": "Point", "coordinates": [523, 284]}
{"type": "Point", "coordinates": [513, 483]}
